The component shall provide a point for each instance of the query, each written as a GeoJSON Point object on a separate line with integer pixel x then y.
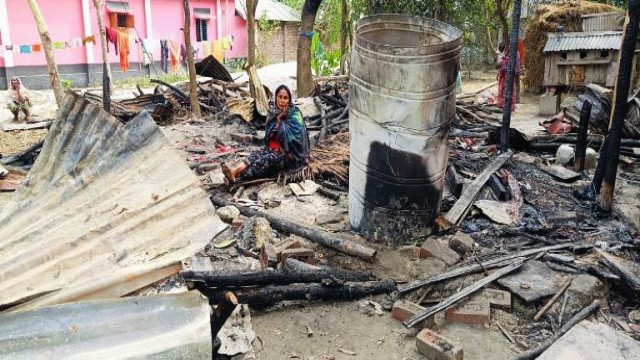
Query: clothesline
{"type": "Point", "coordinates": [122, 43]}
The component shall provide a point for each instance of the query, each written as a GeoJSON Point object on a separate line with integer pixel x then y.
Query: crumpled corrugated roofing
{"type": "Point", "coordinates": [151, 327]}
{"type": "Point", "coordinates": [599, 40]}
{"type": "Point", "coordinates": [107, 208]}
{"type": "Point", "coordinates": [270, 10]}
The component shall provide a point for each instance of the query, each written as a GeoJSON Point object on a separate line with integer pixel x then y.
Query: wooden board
{"type": "Point", "coordinates": [561, 173]}
{"type": "Point", "coordinates": [14, 127]}
{"type": "Point", "coordinates": [469, 194]}
{"type": "Point", "coordinates": [258, 92]}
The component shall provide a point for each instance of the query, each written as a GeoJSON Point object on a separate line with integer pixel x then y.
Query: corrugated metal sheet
{"type": "Point", "coordinates": [270, 10]}
{"type": "Point", "coordinates": [154, 327]}
{"type": "Point", "coordinates": [601, 40]}
{"type": "Point", "coordinates": [107, 208]}
{"type": "Point", "coordinates": [117, 7]}
{"type": "Point", "coordinates": [603, 22]}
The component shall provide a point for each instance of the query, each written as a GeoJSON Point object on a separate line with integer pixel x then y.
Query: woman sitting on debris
{"type": "Point", "coordinates": [19, 99]}
{"type": "Point", "coordinates": [286, 144]}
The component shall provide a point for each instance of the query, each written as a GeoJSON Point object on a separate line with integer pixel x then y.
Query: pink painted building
{"type": "Point", "coordinates": [70, 21]}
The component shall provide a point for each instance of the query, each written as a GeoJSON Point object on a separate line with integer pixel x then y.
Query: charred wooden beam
{"type": "Point", "coordinates": [619, 111]}
{"type": "Point", "coordinates": [228, 279]}
{"type": "Point", "coordinates": [498, 188]}
{"type": "Point", "coordinates": [262, 297]}
{"type": "Point", "coordinates": [581, 145]}
{"type": "Point", "coordinates": [228, 303]}
{"type": "Point", "coordinates": [318, 236]}
{"type": "Point", "coordinates": [513, 58]}
{"type": "Point", "coordinates": [454, 180]}
{"type": "Point", "coordinates": [328, 193]}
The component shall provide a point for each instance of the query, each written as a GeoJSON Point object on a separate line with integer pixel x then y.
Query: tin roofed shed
{"type": "Point", "coordinates": [580, 58]}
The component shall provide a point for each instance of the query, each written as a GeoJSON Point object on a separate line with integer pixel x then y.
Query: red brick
{"type": "Point", "coordinates": [477, 313]}
{"type": "Point", "coordinates": [440, 250]}
{"type": "Point", "coordinates": [403, 309]}
{"type": "Point", "coordinates": [435, 347]}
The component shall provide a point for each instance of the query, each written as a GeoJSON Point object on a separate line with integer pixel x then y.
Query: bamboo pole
{"type": "Point", "coordinates": [193, 87]}
{"type": "Point", "coordinates": [54, 76]}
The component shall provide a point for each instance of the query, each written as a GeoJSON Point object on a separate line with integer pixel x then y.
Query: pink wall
{"type": "Point", "coordinates": [64, 22]}
{"type": "Point", "coordinates": [136, 8]}
{"type": "Point", "coordinates": [2, 51]}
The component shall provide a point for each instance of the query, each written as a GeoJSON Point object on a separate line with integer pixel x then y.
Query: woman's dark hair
{"type": "Point", "coordinates": [286, 88]}
{"type": "Point", "coordinates": [502, 46]}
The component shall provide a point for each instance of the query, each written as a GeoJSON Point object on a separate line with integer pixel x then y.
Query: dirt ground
{"type": "Point", "coordinates": [337, 330]}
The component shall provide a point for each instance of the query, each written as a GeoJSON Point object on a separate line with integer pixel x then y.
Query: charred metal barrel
{"type": "Point", "coordinates": [402, 102]}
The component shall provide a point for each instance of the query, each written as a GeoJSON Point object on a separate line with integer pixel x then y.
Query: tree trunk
{"type": "Point", "coordinates": [54, 77]}
{"type": "Point", "coordinates": [305, 83]}
{"type": "Point", "coordinates": [251, 30]}
{"type": "Point", "coordinates": [193, 86]}
{"type": "Point", "coordinates": [343, 34]}
{"type": "Point", "coordinates": [502, 8]}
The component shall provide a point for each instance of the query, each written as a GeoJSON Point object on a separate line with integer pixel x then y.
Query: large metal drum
{"type": "Point", "coordinates": [402, 102]}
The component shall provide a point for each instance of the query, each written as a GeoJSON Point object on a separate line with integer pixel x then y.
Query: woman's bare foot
{"type": "Point", "coordinates": [228, 173]}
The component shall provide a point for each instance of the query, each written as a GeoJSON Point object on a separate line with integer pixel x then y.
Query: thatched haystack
{"type": "Point", "coordinates": [546, 19]}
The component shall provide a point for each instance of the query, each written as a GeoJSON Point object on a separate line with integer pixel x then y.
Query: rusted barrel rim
{"type": "Point", "coordinates": [451, 37]}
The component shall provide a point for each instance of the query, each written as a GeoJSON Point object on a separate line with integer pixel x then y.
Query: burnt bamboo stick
{"type": "Point", "coordinates": [453, 299]}
{"type": "Point", "coordinates": [552, 301]}
{"type": "Point", "coordinates": [297, 265]}
{"type": "Point", "coordinates": [623, 82]}
{"type": "Point", "coordinates": [470, 269]}
{"type": "Point", "coordinates": [598, 176]}
{"type": "Point", "coordinates": [318, 236]}
{"type": "Point", "coordinates": [583, 314]}
{"type": "Point", "coordinates": [328, 193]}
{"type": "Point", "coordinates": [581, 145]}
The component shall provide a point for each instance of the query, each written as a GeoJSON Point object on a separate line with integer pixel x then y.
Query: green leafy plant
{"type": "Point", "coordinates": [323, 63]}
{"type": "Point", "coordinates": [66, 84]}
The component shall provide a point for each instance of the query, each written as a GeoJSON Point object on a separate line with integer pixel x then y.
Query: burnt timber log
{"type": "Point", "coordinates": [226, 279]}
{"type": "Point", "coordinates": [318, 236]}
{"type": "Point", "coordinates": [263, 297]}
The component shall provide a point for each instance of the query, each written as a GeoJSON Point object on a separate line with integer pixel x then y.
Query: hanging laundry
{"type": "Point", "coordinates": [36, 48]}
{"type": "Point", "coordinates": [25, 49]}
{"type": "Point", "coordinates": [77, 42]}
{"type": "Point", "coordinates": [58, 45]}
{"type": "Point", "coordinates": [226, 43]}
{"type": "Point", "coordinates": [89, 39]}
{"type": "Point", "coordinates": [164, 56]}
{"type": "Point", "coordinates": [112, 37]}
{"type": "Point", "coordinates": [206, 48]}
{"type": "Point", "coordinates": [174, 55]}
{"type": "Point", "coordinates": [183, 55]}
{"type": "Point", "coordinates": [9, 47]}
{"type": "Point", "coordinates": [217, 50]}
{"type": "Point", "coordinates": [123, 44]}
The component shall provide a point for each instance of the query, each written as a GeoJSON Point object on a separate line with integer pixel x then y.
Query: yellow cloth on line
{"type": "Point", "coordinates": [226, 43]}
{"type": "Point", "coordinates": [206, 49]}
{"type": "Point", "coordinates": [217, 50]}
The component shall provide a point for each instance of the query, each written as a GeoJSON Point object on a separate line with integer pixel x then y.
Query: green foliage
{"type": "Point", "coordinates": [66, 84]}
{"type": "Point", "coordinates": [262, 60]}
{"type": "Point", "coordinates": [296, 4]}
{"type": "Point", "coordinates": [323, 63]}
{"type": "Point", "coordinates": [266, 25]}
{"type": "Point", "coordinates": [144, 81]}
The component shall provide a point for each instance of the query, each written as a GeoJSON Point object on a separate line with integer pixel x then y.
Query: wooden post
{"type": "Point", "coordinates": [99, 4]}
{"type": "Point", "coordinates": [252, 5]}
{"type": "Point", "coordinates": [581, 145]}
{"type": "Point", "coordinates": [54, 76]}
{"type": "Point", "coordinates": [193, 87]}
{"type": "Point", "coordinates": [620, 105]}
{"type": "Point", "coordinates": [513, 58]}
{"type": "Point", "coordinates": [305, 84]}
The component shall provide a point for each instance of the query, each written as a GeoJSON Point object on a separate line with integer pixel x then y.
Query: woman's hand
{"type": "Point", "coordinates": [283, 114]}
